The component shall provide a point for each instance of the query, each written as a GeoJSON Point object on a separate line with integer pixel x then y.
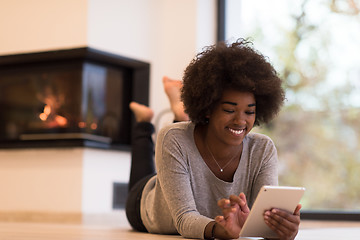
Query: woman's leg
{"type": "Point", "coordinates": [142, 150]}
{"type": "Point", "coordinates": [142, 153]}
{"type": "Point", "coordinates": [142, 145]}
{"type": "Point", "coordinates": [172, 89]}
{"type": "Point", "coordinates": [142, 163]}
{"type": "Point", "coordinates": [133, 205]}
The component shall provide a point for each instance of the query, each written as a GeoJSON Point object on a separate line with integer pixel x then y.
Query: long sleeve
{"type": "Point", "coordinates": [174, 177]}
{"type": "Point", "coordinates": [264, 163]}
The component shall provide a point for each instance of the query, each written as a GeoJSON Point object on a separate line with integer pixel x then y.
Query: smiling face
{"type": "Point", "coordinates": [233, 117]}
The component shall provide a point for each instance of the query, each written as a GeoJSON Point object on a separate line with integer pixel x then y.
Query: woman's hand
{"type": "Point", "coordinates": [285, 224]}
{"type": "Point", "coordinates": [235, 212]}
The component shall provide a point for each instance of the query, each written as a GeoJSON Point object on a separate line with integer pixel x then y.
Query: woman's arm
{"type": "Point", "coordinates": [264, 162]}
{"type": "Point", "coordinates": [174, 180]}
{"type": "Point", "coordinates": [285, 224]}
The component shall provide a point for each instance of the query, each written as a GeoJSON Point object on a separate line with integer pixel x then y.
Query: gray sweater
{"type": "Point", "coordinates": [182, 197]}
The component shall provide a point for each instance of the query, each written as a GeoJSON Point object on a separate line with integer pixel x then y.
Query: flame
{"type": "Point", "coordinates": [47, 110]}
{"type": "Point", "coordinates": [61, 120]}
{"type": "Point", "coordinates": [43, 116]}
{"type": "Point", "coordinates": [82, 124]}
{"type": "Point", "coordinates": [57, 119]}
{"type": "Point", "coordinates": [93, 126]}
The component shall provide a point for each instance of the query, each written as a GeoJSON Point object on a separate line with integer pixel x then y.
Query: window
{"type": "Point", "coordinates": [314, 45]}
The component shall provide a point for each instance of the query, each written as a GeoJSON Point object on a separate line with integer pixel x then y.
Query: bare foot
{"type": "Point", "coordinates": [142, 113]}
{"type": "Point", "coordinates": [172, 89]}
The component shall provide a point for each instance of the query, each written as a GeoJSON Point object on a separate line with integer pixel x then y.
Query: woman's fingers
{"type": "Point", "coordinates": [241, 201]}
{"type": "Point", "coordinates": [220, 220]}
{"type": "Point", "coordinates": [297, 210]}
{"type": "Point", "coordinates": [224, 203]}
{"type": "Point", "coordinates": [286, 225]}
{"type": "Point", "coordinates": [226, 207]}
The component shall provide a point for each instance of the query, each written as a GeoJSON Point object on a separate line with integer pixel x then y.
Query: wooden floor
{"type": "Point", "coordinates": [117, 228]}
{"type": "Point", "coordinates": [21, 231]}
{"type": "Point", "coordinates": [109, 227]}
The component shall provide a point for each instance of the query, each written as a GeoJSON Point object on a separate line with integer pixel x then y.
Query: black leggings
{"type": "Point", "coordinates": [142, 169]}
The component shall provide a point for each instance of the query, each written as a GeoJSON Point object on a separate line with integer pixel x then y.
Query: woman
{"type": "Point", "coordinates": [212, 167]}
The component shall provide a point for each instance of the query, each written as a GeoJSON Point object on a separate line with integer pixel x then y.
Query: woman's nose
{"type": "Point", "coordinates": [240, 119]}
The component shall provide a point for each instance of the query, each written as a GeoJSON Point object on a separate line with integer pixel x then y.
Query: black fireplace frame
{"type": "Point", "coordinates": [139, 73]}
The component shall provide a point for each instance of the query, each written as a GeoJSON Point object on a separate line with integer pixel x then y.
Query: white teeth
{"type": "Point", "coordinates": [236, 131]}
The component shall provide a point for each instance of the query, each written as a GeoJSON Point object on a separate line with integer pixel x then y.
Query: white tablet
{"type": "Point", "coordinates": [269, 197]}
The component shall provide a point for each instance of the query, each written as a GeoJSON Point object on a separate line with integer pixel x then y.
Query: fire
{"type": "Point", "coordinates": [61, 121]}
{"type": "Point", "coordinates": [93, 126]}
{"type": "Point", "coordinates": [43, 116]}
{"type": "Point", "coordinates": [47, 110]}
{"type": "Point", "coordinates": [57, 120]}
{"type": "Point", "coordinates": [82, 124]}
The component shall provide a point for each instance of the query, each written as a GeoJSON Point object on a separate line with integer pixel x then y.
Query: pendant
{"type": "Point", "coordinates": [221, 170]}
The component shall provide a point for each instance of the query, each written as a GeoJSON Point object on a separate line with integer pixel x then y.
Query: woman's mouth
{"type": "Point", "coordinates": [236, 132]}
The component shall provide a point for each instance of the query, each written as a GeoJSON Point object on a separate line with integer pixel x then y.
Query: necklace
{"type": "Point", "coordinates": [221, 168]}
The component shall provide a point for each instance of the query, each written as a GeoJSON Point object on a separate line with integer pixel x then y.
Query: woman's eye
{"type": "Point", "coordinates": [250, 112]}
{"type": "Point", "coordinates": [229, 111]}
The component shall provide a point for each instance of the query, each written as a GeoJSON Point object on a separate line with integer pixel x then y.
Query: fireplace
{"type": "Point", "coordinates": [72, 97]}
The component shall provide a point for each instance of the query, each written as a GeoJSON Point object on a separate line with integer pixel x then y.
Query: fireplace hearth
{"type": "Point", "coordinates": [72, 97]}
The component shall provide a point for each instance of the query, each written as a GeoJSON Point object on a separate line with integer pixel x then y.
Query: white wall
{"type": "Point", "coordinates": [101, 168]}
{"type": "Point", "coordinates": [39, 25]}
{"type": "Point", "coordinates": [41, 180]}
